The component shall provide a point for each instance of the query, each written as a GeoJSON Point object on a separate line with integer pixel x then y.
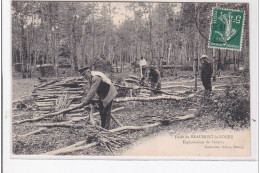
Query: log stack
{"type": "Point", "coordinates": [46, 95]}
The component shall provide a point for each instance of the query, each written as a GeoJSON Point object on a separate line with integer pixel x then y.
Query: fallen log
{"type": "Point", "coordinates": [62, 124]}
{"type": "Point", "coordinates": [62, 150]}
{"type": "Point", "coordinates": [191, 87]}
{"type": "Point", "coordinates": [223, 77]}
{"type": "Point", "coordinates": [71, 149]}
{"type": "Point", "coordinates": [126, 99]}
{"type": "Point", "coordinates": [59, 92]}
{"type": "Point", "coordinates": [59, 89]}
{"type": "Point", "coordinates": [33, 132]}
{"type": "Point", "coordinates": [169, 83]}
{"type": "Point", "coordinates": [75, 115]}
{"type": "Point", "coordinates": [147, 88]}
{"type": "Point", "coordinates": [135, 127]}
{"type": "Point", "coordinates": [185, 117]}
{"type": "Point", "coordinates": [180, 86]}
{"type": "Point", "coordinates": [52, 98]}
{"type": "Point", "coordinates": [116, 120]}
{"type": "Point", "coordinates": [50, 114]}
{"type": "Point", "coordinates": [182, 92]}
{"type": "Point", "coordinates": [219, 86]}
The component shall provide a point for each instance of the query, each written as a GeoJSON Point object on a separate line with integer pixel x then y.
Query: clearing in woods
{"type": "Point", "coordinates": [183, 111]}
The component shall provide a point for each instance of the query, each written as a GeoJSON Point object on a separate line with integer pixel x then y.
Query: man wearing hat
{"type": "Point", "coordinates": [106, 91]}
{"type": "Point", "coordinates": [206, 73]}
{"type": "Point", "coordinates": [154, 78]}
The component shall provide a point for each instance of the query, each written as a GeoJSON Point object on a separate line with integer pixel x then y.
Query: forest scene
{"type": "Point", "coordinates": [53, 41]}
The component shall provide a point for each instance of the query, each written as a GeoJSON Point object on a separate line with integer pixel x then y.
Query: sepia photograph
{"type": "Point", "coordinates": [130, 79]}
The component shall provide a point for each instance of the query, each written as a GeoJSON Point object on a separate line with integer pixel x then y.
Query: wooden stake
{"type": "Point", "coordinates": [91, 119]}
{"type": "Point", "coordinates": [214, 65]}
{"type": "Point", "coordinates": [196, 69]}
{"type": "Point", "coordinates": [116, 120]}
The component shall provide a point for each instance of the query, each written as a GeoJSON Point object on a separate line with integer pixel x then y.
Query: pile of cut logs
{"type": "Point", "coordinates": [50, 95]}
{"type": "Point", "coordinates": [47, 95]}
{"type": "Point", "coordinates": [57, 94]}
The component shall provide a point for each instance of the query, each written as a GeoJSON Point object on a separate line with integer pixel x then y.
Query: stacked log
{"type": "Point", "coordinates": [46, 95]}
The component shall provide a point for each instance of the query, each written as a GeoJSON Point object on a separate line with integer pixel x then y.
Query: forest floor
{"type": "Point", "coordinates": [209, 113]}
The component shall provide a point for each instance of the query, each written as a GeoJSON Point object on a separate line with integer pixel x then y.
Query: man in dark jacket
{"type": "Point", "coordinates": [106, 91]}
{"type": "Point", "coordinates": [154, 78]}
{"type": "Point", "coordinates": [206, 73]}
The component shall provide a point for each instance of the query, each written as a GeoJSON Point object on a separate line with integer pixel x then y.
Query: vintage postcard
{"type": "Point", "coordinates": [150, 80]}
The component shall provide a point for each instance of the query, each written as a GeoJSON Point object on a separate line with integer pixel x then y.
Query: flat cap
{"type": "Point", "coordinates": [82, 69]}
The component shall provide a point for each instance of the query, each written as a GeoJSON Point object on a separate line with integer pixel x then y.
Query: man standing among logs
{"type": "Point", "coordinates": [206, 73]}
{"type": "Point", "coordinates": [154, 78]}
{"type": "Point", "coordinates": [106, 91]}
{"type": "Point", "coordinates": [143, 65]}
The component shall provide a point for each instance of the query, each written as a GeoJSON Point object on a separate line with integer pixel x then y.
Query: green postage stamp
{"type": "Point", "coordinates": [226, 29]}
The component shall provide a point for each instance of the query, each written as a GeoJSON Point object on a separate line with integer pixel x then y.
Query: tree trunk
{"type": "Point", "coordinates": [136, 34]}
{"type": "Point", "coordinates": [150, 32]}
{"type": "Point", "coordinates": [93, 36]}
{"type": "Point", "coordinates": [234, 60]}
{"type": "Point", "coordinates": [169, 53]}
{"type": "Point", "coordinates": [214, 65]}
{"type": "Point", "coordinates": [219, 59]}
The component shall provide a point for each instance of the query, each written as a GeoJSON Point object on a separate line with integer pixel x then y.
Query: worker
{"type": "Point", "coordinates": [143, 65]}
{"type": "Point", "coordinates": [106, 91]}
{"type": "Point", "coordinates": [206, 73]}
{"type": "Point", "coordinates": [154, 78]}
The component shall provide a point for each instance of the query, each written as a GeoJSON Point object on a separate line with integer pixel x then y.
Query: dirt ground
{"type": "Point", "coordinates": [134, 114]}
